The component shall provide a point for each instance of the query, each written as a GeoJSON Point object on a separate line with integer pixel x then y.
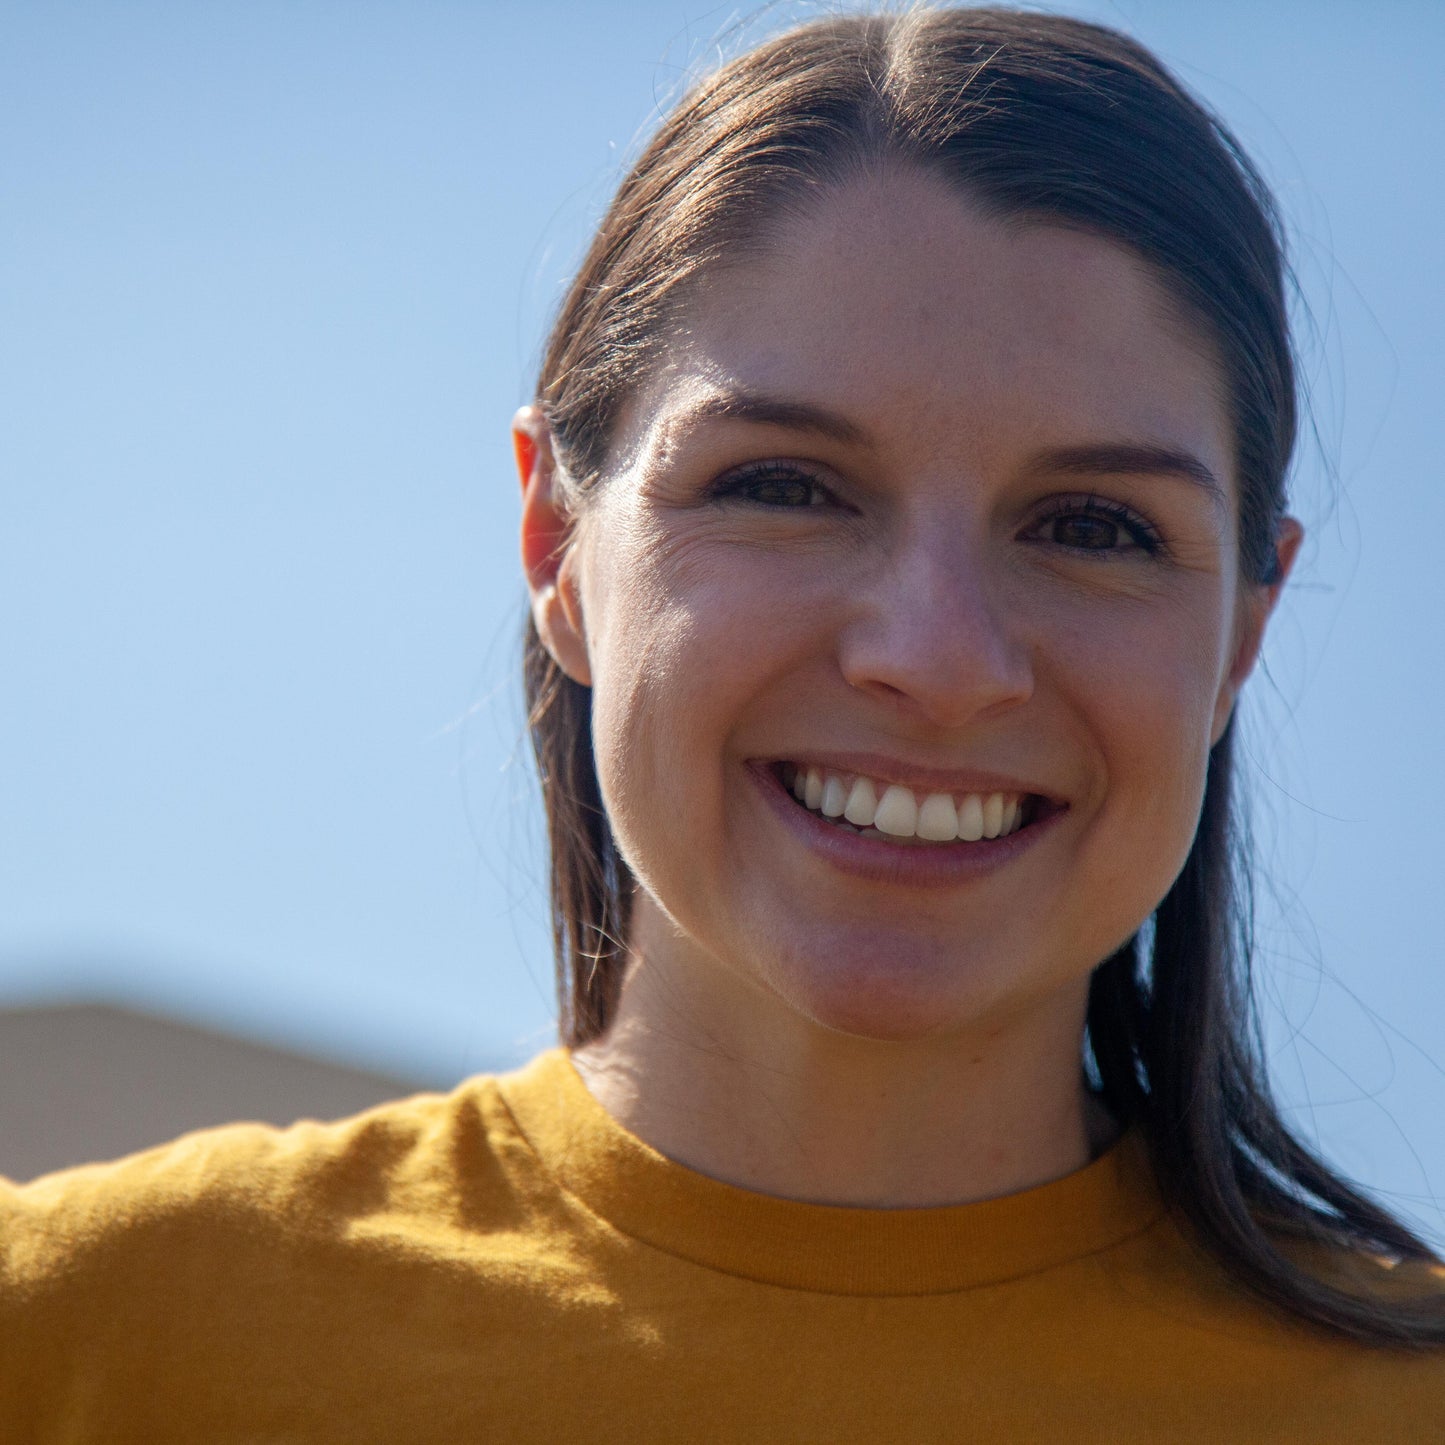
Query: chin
{"type": "Point", "coordinates": [892, 991]}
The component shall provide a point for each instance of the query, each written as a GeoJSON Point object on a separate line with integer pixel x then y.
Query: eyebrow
{"type": "Point", "coordinates": [1103, 459]}
{"type": "Point", "coordinates": [751, 406]}
{"type": "Point", "coordinates": [1116, 459]}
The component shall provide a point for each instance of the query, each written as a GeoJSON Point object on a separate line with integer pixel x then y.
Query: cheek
{"type": "Point", "coordinates": [680, 646]}
{"type": "Point", "coordinates": [1156, 712]}
{"type": "Point", "coordinates": [1146, 670]}
{"type": "Point", "coordinates": [1146, 688]}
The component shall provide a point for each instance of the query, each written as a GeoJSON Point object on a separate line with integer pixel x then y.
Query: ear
{"type": "Point", "coordinates": [549, 555]}
{"type": "Point", "coordinates": [1257, 602]}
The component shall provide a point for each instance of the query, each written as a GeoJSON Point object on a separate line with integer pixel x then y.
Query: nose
{"type": "Point", "coordinates": [931, 634]}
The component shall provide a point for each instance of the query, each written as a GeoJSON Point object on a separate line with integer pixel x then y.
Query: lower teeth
{"type": "Point", "coordinates": [872, 832]}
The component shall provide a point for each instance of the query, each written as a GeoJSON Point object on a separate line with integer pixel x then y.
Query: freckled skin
{"type": "Point", "coordinates": [915, 607]}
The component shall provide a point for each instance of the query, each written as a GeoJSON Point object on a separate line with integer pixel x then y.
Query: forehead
{"type": "Point", "coordinates": [895, 302]}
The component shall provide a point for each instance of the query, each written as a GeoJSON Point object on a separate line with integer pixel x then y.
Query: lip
{"type": "Point", "coordinates": [946, 865]}
{"type": "Point", "coordinates": [921, 780]}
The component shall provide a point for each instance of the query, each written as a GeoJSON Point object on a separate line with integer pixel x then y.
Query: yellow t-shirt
{"type": "Point", "coordinates": [506, 1263]}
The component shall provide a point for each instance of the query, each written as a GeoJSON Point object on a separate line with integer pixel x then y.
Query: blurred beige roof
{"type": "Point", "coordinates": [81, 1082]}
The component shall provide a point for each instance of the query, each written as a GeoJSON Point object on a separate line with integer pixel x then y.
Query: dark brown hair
{"type": "Point", "coordinates": [1037, 118]}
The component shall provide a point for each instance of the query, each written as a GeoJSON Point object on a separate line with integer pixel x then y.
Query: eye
{"type": "Point", "coordinates": [783, 485]}
{"type": "Point", "coordinates": [1097, 525]}
{"type": "Point", "coordinates": [1092, 533]}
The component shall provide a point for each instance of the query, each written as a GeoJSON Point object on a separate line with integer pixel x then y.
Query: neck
{"type": "Point", "coordinates": [727, 1080]}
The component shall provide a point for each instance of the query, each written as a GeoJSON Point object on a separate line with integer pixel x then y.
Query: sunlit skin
{"type": "Point", "coordinates": [984, 544]}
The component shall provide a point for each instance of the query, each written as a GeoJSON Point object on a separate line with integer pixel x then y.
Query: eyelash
{"type": "Point", "coordinates": [1143, 534]}
{"type": "Point", "coordinates": [735, 485]}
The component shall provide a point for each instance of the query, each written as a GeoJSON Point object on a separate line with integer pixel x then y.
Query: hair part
{"type": "Point", "coordinates": [1038, 118]}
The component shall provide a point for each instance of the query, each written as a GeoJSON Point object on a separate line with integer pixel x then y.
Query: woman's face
{"type": "Point", "coordinates": [933, 520]}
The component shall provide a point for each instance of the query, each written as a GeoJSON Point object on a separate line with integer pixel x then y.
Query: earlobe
{"type": "Point", "coordinates": [549, 553]}
{"type": "Point", "coordinates": [1257, 603]}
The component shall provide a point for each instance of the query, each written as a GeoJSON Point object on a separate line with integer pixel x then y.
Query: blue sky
{"type": "Point", "coordinates": [273, 278]}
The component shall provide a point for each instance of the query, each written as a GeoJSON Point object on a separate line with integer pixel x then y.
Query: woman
{"type": "Point", "coordinates": [903, 506]}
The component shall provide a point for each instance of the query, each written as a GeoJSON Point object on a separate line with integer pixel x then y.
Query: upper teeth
{"type": "Point", "coordinates": [901, 813]}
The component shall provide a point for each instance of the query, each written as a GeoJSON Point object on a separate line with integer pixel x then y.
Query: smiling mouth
{"type": "Point", "coordinates": [893, 813]}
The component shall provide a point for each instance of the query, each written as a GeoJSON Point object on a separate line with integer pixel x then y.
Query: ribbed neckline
{"type": "Point", "coordinates": [826, 1248]}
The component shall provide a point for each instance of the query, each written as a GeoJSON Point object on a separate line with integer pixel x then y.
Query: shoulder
{"type": "Point", "coordinates": [248, 1273]}
{"type": "Point", "coordinates": [212, 1201]}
